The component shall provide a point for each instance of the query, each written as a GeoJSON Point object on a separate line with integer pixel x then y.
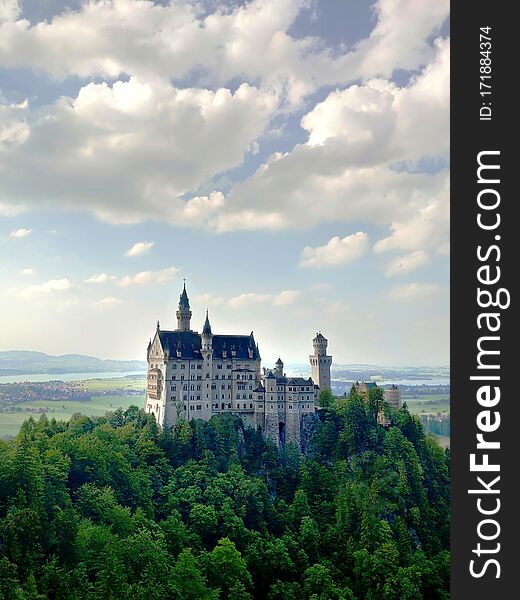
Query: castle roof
{"type": "Point", "coordinates": [320, 337]}
{"type": "Point", "coordinates": [279, 361]}
{"type": "Point", "coordinates": [189, 343]}
{"type": "Point", "coordinates": [206, 329]}
{"type": "Point", "coordinates": [299, 381]}
{"type": "Point", "coordinates": [184, 302]}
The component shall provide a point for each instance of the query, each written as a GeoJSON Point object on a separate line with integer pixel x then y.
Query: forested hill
{"type": "Point", "coordinates": [111, 508]}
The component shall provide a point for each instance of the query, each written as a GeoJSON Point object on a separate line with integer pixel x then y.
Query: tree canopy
{"type": "Point", "coordinates": [114, 508]}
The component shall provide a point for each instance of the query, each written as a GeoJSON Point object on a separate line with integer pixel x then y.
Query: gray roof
{"type": "Point", "coordinates": [206, 329]}
{"type": "Point", "coordinates": [189, 343]}
{"type": "Point", "coordinates": [184, 303]}
{"type": "Point", "coordinates": [299, 381]}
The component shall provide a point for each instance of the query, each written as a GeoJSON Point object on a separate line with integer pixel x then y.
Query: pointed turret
{"type": "Point", "coordinates": [207, 336]}
{"type": "Point", "coordinates": [184, 312]}
{"type": "Point", "coordinates": [206, 330]}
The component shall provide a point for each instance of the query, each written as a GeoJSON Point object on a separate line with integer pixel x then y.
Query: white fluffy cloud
{"type": "Point", "coordinates": [101, 278]}
{"type": "Point", "coordinates": [148, 277]}
{"type": "Point", "coordinates": [139, 248]}
{"type": "Point", "coordinates": [27, 271]}
{"type": "Point", "coordinates": [413, 292]}
{"type": "Point", "coordinates": [106, 39]}
{"type": "Point", "coordinates": [337, 251]}
{"type": "Point", "coordinates": [20, 233]}
{"type": "Point", "coordinates": [109, 301]}
{"type": "Point", "coordinates": [284, 298]}
{"type": "Point", "coordinates": [361, 162]}
{"type": "Point", "coordinates": [49, 287]}
{"type": "Point", "coordinates": [130, 151]}
{"type": "Point", "coordinates": [140, 149]}
{"type": "Point", "coordinates": [402, 265]}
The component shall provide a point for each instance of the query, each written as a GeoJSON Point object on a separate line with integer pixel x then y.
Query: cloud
{"type": "Point", "coordinates": [362, 162]}
{"type": "Point", "coordinates": [27, 271]}
{"type": "Point", "coordinates": [131, 151]}
{"type": "Point", "coordinates": [251, 41]}
{"type": "Point", "coordinates": [141, 149]}
{"type": "Point", "coordinates": [337, 251]}
{"type": "Point", "coordinates": [139, 248]}
{"type": "Point", "coordinates": [413, 292]}
{"type": "Point", "coordinates": [9, 10]}
{"type": "Point", "coordinates": [101, 278]}
{"type": "Point", "coordinates": [147, 277]}
{"type": "Point", "coordinates": [283, 298]}
{"type": "Point", "coordinates": [402, 265]}
{"type": "Point", "coordinates": [49, 287]}
{"type": "Point", "coordinates": [20, 233]}
{"type": "Point", "coordinates": [109, 301]}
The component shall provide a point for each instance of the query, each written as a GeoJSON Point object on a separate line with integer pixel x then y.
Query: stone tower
{"type": "Point", "coordinates": [184, 312]}
{"type": "Point", "coordinates": [279, 368]}
{"type": "Point", "coordinates": [320, 362]}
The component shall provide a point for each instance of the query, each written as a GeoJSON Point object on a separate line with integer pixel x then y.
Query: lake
{"type": "Point", "coordinates": [38, 377]}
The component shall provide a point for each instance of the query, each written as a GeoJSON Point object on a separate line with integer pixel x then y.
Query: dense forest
{"type": "Point", "coordinates": [113, 508]}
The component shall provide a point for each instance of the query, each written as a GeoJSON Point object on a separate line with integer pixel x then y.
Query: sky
{"type": "Point", "coordinates": [288, 158]}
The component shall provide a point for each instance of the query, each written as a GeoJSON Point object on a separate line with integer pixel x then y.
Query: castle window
{"type": "Point", "coordinates": [174, 366]}
{"type": "Point", "coordinates": [219, 366]}
{"type": "Point", "coordinates": [199, 366]}
{"type": "Point", "coordinates": [173, 377]}
{"type": "Point", "coordinates": [173, 388]}
{"type": "Point", "coordinates": [182, 377]}
{"type": "Point", "coordinates": [250, 396]}
{"type": "Point", "coordinates": [238, 404]}
{"type": "Point", "coordinates": [216, 376]}
{"type": "Point", "coordinates": [250, 405]}
{"type": "Point", "coordinates": [228, 366]}
{"type": "Point", "coordinates": [199, 407]}
{"type": "Point", "coordinates": [185, 388]}
{"type": "Point", "coordinates": [183, 366]}
{"type": "Point", "coordinates": [290, 406]}
{"type": "Point", "coordinates": [198, 398]}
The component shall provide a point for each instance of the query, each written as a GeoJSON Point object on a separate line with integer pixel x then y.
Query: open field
{"type": "Point", "coordinates": [418, 407]}
{"type": "Point", "coordinates": [105, 385]}
{"type": "Point", "coordinates": [62, 410]}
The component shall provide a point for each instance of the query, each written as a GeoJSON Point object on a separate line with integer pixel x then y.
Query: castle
{"type": "Point", "coordinates": [195, 375]}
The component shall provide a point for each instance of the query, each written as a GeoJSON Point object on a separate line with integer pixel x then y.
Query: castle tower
{"type": "Point", "coordinates": [184, 312]}
{"type": "Point", "coordinates": [320, 362]}
{"type": "Point", "coordinates": [207, 336]}
{"type": "Point", "coordinates": [209, 395]}
{"type": "Point", "coordinates": [278, 371]}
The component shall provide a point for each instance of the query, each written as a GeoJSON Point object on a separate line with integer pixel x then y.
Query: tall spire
{"type": "Point", "coordinates": [184, 312]}
{"type": "Point", "coordinates": [206, 329]}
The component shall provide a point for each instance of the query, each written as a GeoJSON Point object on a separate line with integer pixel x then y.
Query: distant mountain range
{"type": "Point", "coordinates": [25, 362]}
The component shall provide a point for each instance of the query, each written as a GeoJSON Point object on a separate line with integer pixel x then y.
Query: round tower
{"type": "Point", "coordinates": [183, 311]}
{"type": "Point", "coordinates": [320, 362]}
